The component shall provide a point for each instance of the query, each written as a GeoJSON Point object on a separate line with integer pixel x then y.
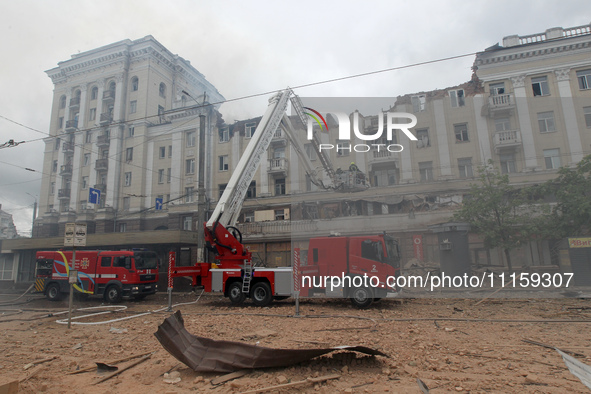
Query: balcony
{"type": "Point", "coordinates": [278, 166]}
{"type": "Point", "coordinates": [102, 140]}
{"type": "Point", "coordinates": [71, 124]}
{"type": "Point", "coordinates": [499, 103]}
{"type": "Point", "coordinates": [101, 186]}
{"type": "Point", "coordinates": [101, 165]}
{"type": "Point", "coordinates": [279, 138]}
{"type": "Point", "coordinates": [68, 147]}
{"type": "Point", "coordinates": [507, 139]}
{"type": "Point", "coordinates": [75, 102]}
{"type": "Point", "coordinates": [63, 194]}
{"type": "Point", "coordinates": [109, 95]}
{"type": "Point", "coordinates": [66, 170]}
{"type": "Point", "coordinates": [106, 118]}
{"type": "Point", "coordinates": [382, 155]}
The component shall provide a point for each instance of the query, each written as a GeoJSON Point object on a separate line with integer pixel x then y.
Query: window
{"type": "Point", "coordinates": [457, 98]}
{"type": "Point", "coordinates": [86, 159]}
{"type": "Point", "coordinates": [63, 102]}
{"type": "Point", "coordinates": [461, 131]}
{"type": "Point", "coordinates": [250, 128]}
{"type": "Point", "coordinates": [190, 139]}
{"type": "Point", "coordinates": [508, 163]}
{"type": "Point", "coordinates": [384, 177]}
{"type": "Point", "coordinates": [92, 114]}
{"type": "Point", "coordinates": [122, 229]}
{"type": "Point", "coordinates": [131, 131]}
{"type": "Point", "coordinates": [343, 148]}
{"type": "Point", "coordinates": [54, 166]}
{"type": "Point", "coordinates": [57, 143]}
{"type": "Point", "coordinates": [190, 166]}
{"type": "Point", "coordinates": [52, 187]}
{"type": "Point", "coordinates": [60, 122]}
{"type": "Point", "coordinates": [249, 217]}
{"type": "Point", "coordinates": [546, 122]}
{"type": "Point", "coordinates": [502, 124]}
{"type": "Point", "coordinates": [310, 152]}
{"type": "Point", "coordinates": [497, 88]}
{"type": "Point", "coordinates": [465, 167]}
{"type": "Point", "coordinates": [88, 137]}
{"type": "Point", "coordinates": [127, 179]}
{"type": "Point", "coordinates": [126, 203]}
{"type": "Point", "coordinates": [162, 90]}
{"type": "Point", "coordinates": [161, 113]}
{"type": "Point", "coordinates": [584, 78]}
{"type": "Point", "coordinates": [135, 84]}
{"type": "Point", "coordinates": [189, 194]}
{"type": "Point", "coordinates": [223, 163]}
{"type": "Point", "coordinates": [426, 171]}
{"type": "Point", "coordinates": [94, 93]}
{"type": "Point", "coordinates": [106, 261]}
{"type": "Point", "coordinates": [161, 175]}
{"type": "Point", "coordinates": [224, 135]}
{"type": "Point", "coordinates": [221, 189]}
{"type": "Point", "coordinates": [84, 182]}
{"type": "Point", "coordinates": [278, 153]}
{"type": "Point", "coordinates": [6, 266]}
{"type": "Point", "coordinates": [168, 175]}
{"type": "Point", "coordinates": [169, 150]}
{"type": "Point", "coordinates": [129, 154]}
{"type": "Point", "coordinates": [279, 186]}
{"type": "Point", "coordinates": [280, 214]}
{"type": "Point", "coordinates": [418, 103]}
{"type": "Point", "coordinates": [552, 158]}
{"type": "Point", "coordinates": [162, 152]}
{"type": "Point", "coordinates": [587, 112]}
{"type": "Point", "coordinates": [251, 192]}
{"type": "Point", "coordinates": [540, 86]}
{"type": "Point", "coordinates": [423, 138]}
{"type": "Point", "coordinates": [188, 223]}
{"type": "Point", "coordinates": [133, 107]}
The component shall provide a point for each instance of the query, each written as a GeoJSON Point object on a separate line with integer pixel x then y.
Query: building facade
{"type": "Point", "coordinates": [122, 123]}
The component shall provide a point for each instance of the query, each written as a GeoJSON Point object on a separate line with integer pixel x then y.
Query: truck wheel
{"type": "Point", "coordinates": [113, 294]}
{"type": "Point", "coordinates": [261, 294]}
{"type": "Point", "coordinates": [361, 297]}
{"type": "Point", "coordinates": [235, 293]}
{"type": "Point", "coordinates": [53, 292]}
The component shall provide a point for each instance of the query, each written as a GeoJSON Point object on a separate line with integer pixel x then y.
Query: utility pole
{"type": "Point", "coordinates": [200, 184]}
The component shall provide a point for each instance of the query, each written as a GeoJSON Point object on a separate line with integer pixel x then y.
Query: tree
{"type": "Point", "coordinates": [570, 215]}
{"type": "Point", "coordinates": [495, 210]}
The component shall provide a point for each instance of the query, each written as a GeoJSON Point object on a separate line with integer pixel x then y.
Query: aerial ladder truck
{"type": "Point", "coordinates": [233, 272]}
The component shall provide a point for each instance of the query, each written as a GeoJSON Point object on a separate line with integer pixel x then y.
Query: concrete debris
{"type": "Point", "coordinates": [118, 330]}
{"type": "Point", "coordinates": [172, 378]}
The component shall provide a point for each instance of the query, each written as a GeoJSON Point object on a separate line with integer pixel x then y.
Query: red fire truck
{"type": "Point", "coordinates": [350, 258]}
{"type": "Point", "coordinates": [111, 274]}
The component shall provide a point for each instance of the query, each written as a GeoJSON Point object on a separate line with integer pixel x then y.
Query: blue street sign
{"type": "Point", "coordinates": [158, 204]}
{"type": "Point", "coordinates": [94, 196]}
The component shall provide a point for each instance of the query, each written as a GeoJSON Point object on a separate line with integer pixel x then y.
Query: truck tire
{"type": "Point", "coordinates": [53, 292]}
{"type": "Point", "coordinates": [361, 297]}
{"type": "Point", "coordinates": [235, 293]}
{"type": "Point", "coordinates": [261, 294]}
{"type": "Point", "coordinates": [113, 294]}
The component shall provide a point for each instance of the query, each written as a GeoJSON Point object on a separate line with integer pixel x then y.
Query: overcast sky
{"type": "Point", "coordinates": [248, 47]}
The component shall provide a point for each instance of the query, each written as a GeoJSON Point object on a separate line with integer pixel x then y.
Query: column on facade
{"type": "Point", "coordinates": [60, 156]}
{"type": "Point", "coordinates": [264, 175]}
{"type": "Point", "coordinates": [442, 139]}
{"type": "Point", "coordinates": [119, 106]}
{"type": "Point", "coordinates": [294, 171]}
{"type": "Point", "coordinates": [235, 147]}
{"type": "Point", "coordinates": [116, 155]}
{"type": "Point", "coordinates": [482, 129]}
{"type": "Point", "coordinates": [95, 151]}
{"type": "Point", "coordinates": [149, 177]}
{"type": "Point", "coordinates": [405, 162]}
{"type": "Point", "coordinates": [527, 134]}
{"type": "Point", "coordinates": [176, 165]}
{"type": "Point", "coordinates": [570, 117]}
{"type": "Point", "coordinates": [78, 144]}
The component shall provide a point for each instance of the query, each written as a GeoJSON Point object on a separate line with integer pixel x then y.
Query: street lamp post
{"type": "Point", "coordinates": [34, 214]}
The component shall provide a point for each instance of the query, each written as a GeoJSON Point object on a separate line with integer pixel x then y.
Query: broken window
{"type": "Point", "coordinates": [465, 167]}
{"type": "Point", "coordinates": [457, 98]}
{"type": "Point", "coordinates": [584, 78]}
{"type": "Point", "coordinates": [418, 103]}
{"type": "Point", "coordinates": [461, 132]}
{"type": "Point", "coordinates": [249, 129]}
{"type": "Point", "coordinates": [423, 138]}
{"type": "Point", "coordinates": [426, 171]}
{"type": "Point", "coordinates": [540, 86]}
{"type": "Point", "coordinates": [497, 88]}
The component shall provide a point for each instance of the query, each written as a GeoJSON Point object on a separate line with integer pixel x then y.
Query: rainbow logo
{"type": "Point", "coordinates": [316, 119]}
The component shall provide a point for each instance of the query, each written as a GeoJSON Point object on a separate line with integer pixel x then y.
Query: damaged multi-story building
{"type": "Point", "coordinates": [125, 120]}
